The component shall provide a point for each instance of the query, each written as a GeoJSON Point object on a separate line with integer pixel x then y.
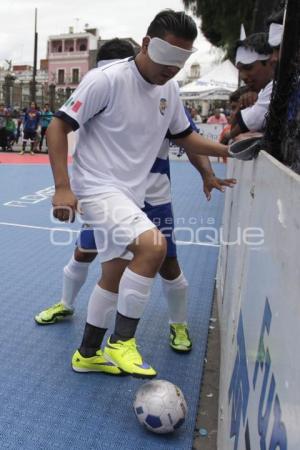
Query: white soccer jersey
{"type": "Point", "coordinates": [158, 191]}
{"type": "Point", "coordinates": [122, 122]}
{"type": "Point", "coordinates": [254, 117]}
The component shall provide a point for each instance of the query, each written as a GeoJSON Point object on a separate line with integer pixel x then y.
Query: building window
{"type": "Point", "coordinates": [61, 76]}
{"type": "Point", "coordinates": [69, 45]}
{"type": "Point", "coordinates": [82, 47]}
{"type": "Point", "coordinates": [56, 46]}
{"type": "Point", "coordinates": [75, 76]}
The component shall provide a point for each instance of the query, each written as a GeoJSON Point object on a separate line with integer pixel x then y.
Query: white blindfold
{"type": "Point", "coordinates": [275, 34]}
{"type": "Point", "coordinates": [161, 52]}
{"type": "Point", "coordinates": [247, 56]}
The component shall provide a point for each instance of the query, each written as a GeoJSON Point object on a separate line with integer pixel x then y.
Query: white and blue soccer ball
{"type": "Point", "coordinates": [160, 406]}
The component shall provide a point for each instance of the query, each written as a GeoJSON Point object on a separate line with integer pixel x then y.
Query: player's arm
{"type": "Point", "coordinates": [210, 181]}
{"type": "Point", "coordinates": [248, 99]}
{"type": "Point", "coordinates": [235, 131]}
{"type": "Point", "coordinates": [195, 144]}
{"type": "Point", "coordinates": [64, 201]}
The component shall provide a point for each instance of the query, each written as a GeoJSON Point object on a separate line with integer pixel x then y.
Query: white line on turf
{"type": "Point", "coordinates": [35, 227]}
{"type": "Point", "coordinates": [38, 228]}
{"type": "Point", "coordinates": [202, 244]}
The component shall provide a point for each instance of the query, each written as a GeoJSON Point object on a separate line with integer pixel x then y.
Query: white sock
{"type": "Point", "coordinates": [134, 293]}
{"type": "Point", "coordinates": [102, 308]}
{"type": "Point", "coordinates": [75, 274]}
{"type": "Point", "coordinates": [175, 292]}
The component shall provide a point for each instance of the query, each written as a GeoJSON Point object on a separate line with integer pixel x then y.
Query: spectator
{"type": "Point", "coordinates": [46, 117]}
{"type": "Point", "coordinates": [234, 108]}
{"type": "Point", "coordinates": [30, 126]}
{"type": "Point", "coordinates": [217, 117]}
{"type": "Point", "coordinates": [253, 59]}
{"type": "Point", "coordinates": [20, 119]}
{"type": "Point", "coordinates": [3, 138]}
{"type": "Point", "coordinates": [275, 32]}
{"type": "Point", "coordinates": [195, 115]}
{"type": "Point", "coordinates": [10, 132]}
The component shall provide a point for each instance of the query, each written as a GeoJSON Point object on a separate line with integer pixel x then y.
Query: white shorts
{"type": "Point", "coordinates": [116, 220]}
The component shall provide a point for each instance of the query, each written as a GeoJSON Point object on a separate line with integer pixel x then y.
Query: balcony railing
{"type": "Point", "coordinates": [63, 55]}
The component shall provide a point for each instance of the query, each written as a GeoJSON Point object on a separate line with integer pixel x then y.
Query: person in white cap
{"type": "Point", "coordinates": [123, 112]}
{"type": "Point", "coordinates": [275, 33]}
{"type": "Point", "coordinates": [253, 60]}
{"type": "Point", "coordinates": [276, 27]}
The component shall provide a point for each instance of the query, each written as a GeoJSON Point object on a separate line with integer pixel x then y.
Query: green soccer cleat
{"type": "Point", "coordinates": [179, 337]}
{"type": "Point", "coordinates": [94, 364]}
{"type": "Point", "coordinates": [53, 314]}
{"type": "Point", "coordinates": [125, 355]}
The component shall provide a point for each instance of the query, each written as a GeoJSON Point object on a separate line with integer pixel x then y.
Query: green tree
{"type": "Point", "coordinates": [221, 20]}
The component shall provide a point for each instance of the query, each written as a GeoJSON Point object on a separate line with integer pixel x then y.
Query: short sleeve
{"type": "Point", "coordinates": [254, 117]}
{"type": "Point", "coordinates": [89, 99]}
{"type": "Point", "coordinates": [180, 125]}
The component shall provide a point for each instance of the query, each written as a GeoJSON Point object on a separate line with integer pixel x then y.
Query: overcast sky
{"type": "Point", "coordinates": [113, 18]}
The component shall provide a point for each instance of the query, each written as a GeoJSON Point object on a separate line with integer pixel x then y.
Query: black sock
{"type": "Point", "coordinates": [125, 328]}
{"type": "Point", "coordinates": [91, 341]}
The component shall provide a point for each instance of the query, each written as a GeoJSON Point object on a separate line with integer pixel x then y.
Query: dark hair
{"type": "Point", "coordinates": [115, 49]}
{"type": "Point", "coordinates": [235, 96]}
{"type": "Point", "coordinates": [173, 22]}
{"type": "Point", "coordinates": [276, 17]}
{"type": "Point", "coordinates": [257, 42]}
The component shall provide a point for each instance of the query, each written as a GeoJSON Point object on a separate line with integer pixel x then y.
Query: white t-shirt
{"type": "Point", "coordinates": [158, 190]}
{"type": "Point", "coordinates": [122, 122]}
{"type": "Point", "coordinates": [254, 117]}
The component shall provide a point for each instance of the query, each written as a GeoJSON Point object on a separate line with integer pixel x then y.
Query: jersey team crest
{"type": "Point", "coordinates": [163, 104]}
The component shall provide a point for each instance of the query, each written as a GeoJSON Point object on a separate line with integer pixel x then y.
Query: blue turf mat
{"type": "Point", "coordinates": [43, 404]}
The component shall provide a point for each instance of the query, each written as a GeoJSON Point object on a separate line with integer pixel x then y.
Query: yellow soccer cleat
{"type": "Point", "coordinates": [179, 337]}
{"type": "Point", "coordinates": [94, 364]}
{"type": "Point", "coordinates": [125, 355]}
{"type": "Point", "coordinates": [53, 314]}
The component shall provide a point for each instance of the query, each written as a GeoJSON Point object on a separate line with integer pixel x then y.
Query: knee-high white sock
{"type": "Point", "coordinates": [75, 274]}
{"type": "Point", "coordinates": [175, 292]}
{"type": "Point", "coordinates": [134, 293]}
{"type": "Point", "coordinates": [102, 308]}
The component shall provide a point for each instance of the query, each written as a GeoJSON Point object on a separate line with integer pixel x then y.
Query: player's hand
{"type": "Point", "coordinates": [211, 182]}
{"type": "Point", "coordinates": [225, 138]}
{"type": "Point", "coordinates": [248, 99]}
{"type": "Point", "coordinates": [64, 205]}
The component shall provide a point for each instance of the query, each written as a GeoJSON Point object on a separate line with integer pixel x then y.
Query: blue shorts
{"type": "Point", "coordinates": [161, 216]}
{"type": "Point", "coordinates": [163, 219]}
{"type": "Point", "coordinates": [86, 240]}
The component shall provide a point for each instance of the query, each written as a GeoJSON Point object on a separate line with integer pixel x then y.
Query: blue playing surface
{"type": "Point", "coordinates": [43, 403]}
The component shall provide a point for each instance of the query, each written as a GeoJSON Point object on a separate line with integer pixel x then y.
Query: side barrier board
{"type": "Point", "coordinates": [258, 288]}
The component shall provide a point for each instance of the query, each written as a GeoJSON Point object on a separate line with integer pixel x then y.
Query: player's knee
{"type": "Point", "coordinates": [170, 269]}
{"type": "Point", "coordinates": [151, 245]}
{"type": "Point", "coordinates": [84, 256]}
{"type": "Point", "coordinates": [159, 250]}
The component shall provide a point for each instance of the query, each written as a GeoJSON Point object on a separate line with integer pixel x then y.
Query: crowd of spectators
{"type": "Point", "coordinates": [30, 123]}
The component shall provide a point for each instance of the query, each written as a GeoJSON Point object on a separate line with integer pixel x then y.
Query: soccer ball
{"type": "Point", "coordinates": [160, 406]}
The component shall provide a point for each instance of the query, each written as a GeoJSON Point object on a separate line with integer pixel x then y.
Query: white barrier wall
{"type": "Point", "coordinates": [258, 289]}
{"type": "Point", "coordinates": [210, 130]}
